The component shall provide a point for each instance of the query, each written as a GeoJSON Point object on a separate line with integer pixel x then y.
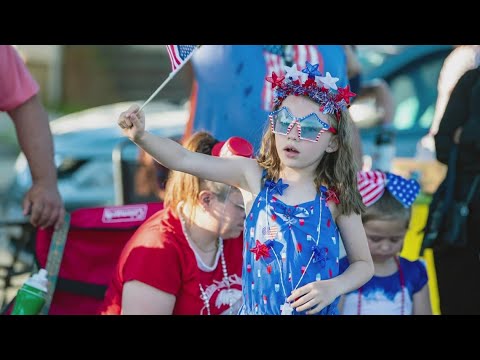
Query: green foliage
{"type": "Point", "coordinates": [65, 108]}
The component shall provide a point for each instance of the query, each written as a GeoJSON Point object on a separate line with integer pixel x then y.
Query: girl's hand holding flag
{"type": "Point", "coordinates": [132, 123]}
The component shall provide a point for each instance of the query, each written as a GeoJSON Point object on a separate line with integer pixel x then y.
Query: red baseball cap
{"type": "Point", "coordinates": [233, 146]}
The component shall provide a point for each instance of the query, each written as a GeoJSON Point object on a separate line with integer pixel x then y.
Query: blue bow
{"type": "Point", "coordinates": [276, 246]}
{"type": "Point", "coordinates": [293, 211]}
{"type": "Point", "coordinates": [402, 189]}
{"type": "Point", "coordinates": [270, 243]}
{"type": "Point", "coordinates": [319, 255]}
{"type": "Point", "coordinates": [289, 217]}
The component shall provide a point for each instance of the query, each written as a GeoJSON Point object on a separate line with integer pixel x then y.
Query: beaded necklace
{"type": "Point", "coordinates": [402, 285]}
{"type": "Point", "coordinates": [203, 295]}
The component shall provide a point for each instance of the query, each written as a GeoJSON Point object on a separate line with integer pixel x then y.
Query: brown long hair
{"type": "Point", "coordinates": [185, 188]}
{"type": "Point", "coordinates": [335, 170]}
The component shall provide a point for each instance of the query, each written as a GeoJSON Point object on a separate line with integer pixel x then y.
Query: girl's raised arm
{"type": "Point", "coordinates": [232, 170]}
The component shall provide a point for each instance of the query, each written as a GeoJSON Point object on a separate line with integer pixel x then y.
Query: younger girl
{"type": "Point", "coordinates": [399, 286]}
{"type": "Point", "coordinates": [299, 194]}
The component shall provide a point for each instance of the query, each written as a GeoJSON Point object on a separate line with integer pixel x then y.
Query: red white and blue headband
{"type": "Point", "coordinates": [310, 82]}
{"type": "Point", "coordinates": [372, 185]}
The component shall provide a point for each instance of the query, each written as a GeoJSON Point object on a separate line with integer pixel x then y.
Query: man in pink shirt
{"type": "Point", "coordinates": [19, 98]}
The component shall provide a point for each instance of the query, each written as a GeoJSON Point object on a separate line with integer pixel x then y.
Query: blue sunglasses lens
{"type": "Point", "coordinates": [310, 126]}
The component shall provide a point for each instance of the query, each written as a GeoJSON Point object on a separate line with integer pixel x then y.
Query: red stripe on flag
{"type": "Point", "coordinates": [371, 185]}
{"type": "Point", "coordinates": [173, 54]}
{"type": "Point", "coordinates": [308, 55]}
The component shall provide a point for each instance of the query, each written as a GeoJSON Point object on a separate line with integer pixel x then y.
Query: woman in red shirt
{"type": "Point", "coordinates": [187, 258]}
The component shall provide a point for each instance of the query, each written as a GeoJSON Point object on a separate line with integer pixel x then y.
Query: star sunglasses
{"type": "Point", "coordinates": [309, 127]}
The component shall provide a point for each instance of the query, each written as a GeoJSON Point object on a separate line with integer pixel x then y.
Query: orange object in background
{"type": "Point", "coordinates": [432, 172]}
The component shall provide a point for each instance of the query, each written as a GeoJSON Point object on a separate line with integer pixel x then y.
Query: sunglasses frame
{"type": "Point", "coordinates": [298, 120]}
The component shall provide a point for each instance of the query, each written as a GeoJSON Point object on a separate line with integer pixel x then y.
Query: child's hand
{"type": "Point", "coordinates": [314, 296]}
{"type": "Point", "coordinates": [132, 122]}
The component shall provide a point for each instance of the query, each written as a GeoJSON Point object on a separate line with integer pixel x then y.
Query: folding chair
{"type": "Point", "coordinates": [81, 257]}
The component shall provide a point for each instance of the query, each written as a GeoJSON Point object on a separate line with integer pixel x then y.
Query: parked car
{"type": "Point", "coordinates": [84, 142]}
{"type": "Point", "coordinates": [411, 72]}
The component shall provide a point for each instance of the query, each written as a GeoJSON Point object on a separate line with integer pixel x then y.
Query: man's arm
{"type": "Point", "coordinates": [43, 200]}
{"type": "Point", "coordinates": [469, 133]}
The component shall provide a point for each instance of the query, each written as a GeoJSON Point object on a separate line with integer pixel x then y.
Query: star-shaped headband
{"type": "Point", "coordinates": [372, 185]}
{"type": "Point", "coordinates": [310, 82]}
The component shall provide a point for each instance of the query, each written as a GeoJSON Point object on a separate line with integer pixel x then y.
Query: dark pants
{"type": "Point", "coordinates": [458, 276]}
{"type": "Point", "coordinates": [458, 270]}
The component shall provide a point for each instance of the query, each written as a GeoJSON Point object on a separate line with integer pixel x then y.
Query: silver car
{"type": "Point", "coordinates": [84, 142]}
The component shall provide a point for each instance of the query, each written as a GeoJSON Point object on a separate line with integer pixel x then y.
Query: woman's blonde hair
{"type": "Point", "coordinates": [335, 170]}
{"type": "Point", "coordinates": [185, 188]}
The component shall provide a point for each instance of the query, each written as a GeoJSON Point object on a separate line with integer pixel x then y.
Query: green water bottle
{"type": "Point", "coordinates": [31, 296]}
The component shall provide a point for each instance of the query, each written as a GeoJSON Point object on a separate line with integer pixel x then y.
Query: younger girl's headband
{"type": "Point", "coordinates": [372, 185]}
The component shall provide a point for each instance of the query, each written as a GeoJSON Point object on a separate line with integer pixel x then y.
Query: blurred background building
{"type": "Point", "coordinates": [75, 77]}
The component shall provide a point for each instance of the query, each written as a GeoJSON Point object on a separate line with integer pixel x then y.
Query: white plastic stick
{"type": "Point", "coordinates": [170, 77]}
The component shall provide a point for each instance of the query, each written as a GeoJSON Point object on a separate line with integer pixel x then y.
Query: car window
{"type": "Point", "coordinates": [406, 102]}
{"type": "Point", "coordinates": [372, 56]}
{"type": "Point", "coordinates": [414, 89]}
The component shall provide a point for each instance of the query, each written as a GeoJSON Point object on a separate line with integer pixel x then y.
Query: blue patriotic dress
{"type": "Point", "coordinates": [285, 248]}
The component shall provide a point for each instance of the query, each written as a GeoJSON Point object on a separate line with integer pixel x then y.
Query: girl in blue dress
{"type": "Point", "coordinates": [300, 196]}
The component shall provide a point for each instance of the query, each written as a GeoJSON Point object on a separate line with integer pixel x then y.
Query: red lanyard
{"type": "Point", "coordinates": [402, 285]}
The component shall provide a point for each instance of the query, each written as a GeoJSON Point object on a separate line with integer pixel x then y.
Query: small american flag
{"type": "Point", "coordinates": [274, 56]}
{"type": "Point", "coordinates": [270, 233]}
{"type": "Point", "coordinates": [179, 53]}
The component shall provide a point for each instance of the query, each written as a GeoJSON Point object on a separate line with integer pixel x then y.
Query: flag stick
{"type": "Point", "coordinates": [170, 77]}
